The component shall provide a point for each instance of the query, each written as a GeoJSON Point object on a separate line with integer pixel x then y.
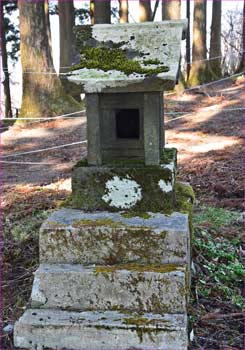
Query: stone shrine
{"type": "Point", "coordinates": [115, 262]}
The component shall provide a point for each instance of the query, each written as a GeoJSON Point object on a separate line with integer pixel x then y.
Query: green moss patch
{"type": "Point", "coordinates": [137, 268]}
{"type": "Point", "coordinates": [100, 222]}
{"type": "Point", "coordinates": [184, 200]}
{"type": "Point", "coordinates": [107, 59]}
{"type": "Point", "coordinates": [168, 155]}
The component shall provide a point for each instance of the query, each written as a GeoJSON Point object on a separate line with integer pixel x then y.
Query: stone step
{"type": "Point", "coordinates": [101, 238]}
{"type": "Point", "coordinates": [131, 287]}
{"type": "Point", "coordinates": [105, 330]}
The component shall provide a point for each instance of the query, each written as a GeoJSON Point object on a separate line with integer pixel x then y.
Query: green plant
{"type": "Point", "coordinates": [221, 268]}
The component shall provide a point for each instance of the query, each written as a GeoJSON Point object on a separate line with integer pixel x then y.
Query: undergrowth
{"type": "Point", "coordinates": [217, 279]}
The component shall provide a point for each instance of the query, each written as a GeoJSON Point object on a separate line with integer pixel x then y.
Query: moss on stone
{"type": "Point", "coordinates": [82, 162]}
{"type": "Point", "coordinates": [168, 155]}
{"type": "Point", "coordinates": [131, 162]}
{"type": "Point", "coordinates": [82, 34]}
{"type": "Point", "coordinates": [89, 188]}
{"type": "Point", "coordinates": [137, 268]}
{"type": "Point", "coordinates": [139, 321]}
{"type": "Point", "coordinates": [151, 61]}
{"type": "Point", "coordinates": [131, 214]}
{"type": "Point", "coordinates": [185, 198]}
{"type": "Point", "coordinates": [99, 222]}
{"type": "Point", "coordinates": [107, 59]}
{"type": "Point", "coordinates": [56, 224]}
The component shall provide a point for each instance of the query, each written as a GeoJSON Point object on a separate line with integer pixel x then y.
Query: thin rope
{"type": "Point", "coordinates": [44, 149]}
{"type": "Point", "coordinates": [28, 163]}
{"type": "Point", "coordinates": [48, 118]}
{"type": "Point", "coordinates": [206, 84]}
{"type": "Point", "coordinates": [188, 115]}
{"type": "Point", "coordinates": [211, 109]}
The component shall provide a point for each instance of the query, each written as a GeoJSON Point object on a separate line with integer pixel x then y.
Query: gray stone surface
{"type": "Point", "coordinates": [118, 186]}
{"type": "Point", "coordinates": [93, 129]}
{"type": "Point", "coordinates": [73, 236]}
{"type": "Point", "coordinates": [152, 125]}
{"type": "Point", "coordinates": [159, 41]}
{"type": "Point", "coordinates": [159, 289]}
{"type": "Point", "coordinates": [109, 330]}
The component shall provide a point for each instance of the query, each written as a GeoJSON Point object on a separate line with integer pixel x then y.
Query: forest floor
{"type": "Point", "coordinates": [208, 137]}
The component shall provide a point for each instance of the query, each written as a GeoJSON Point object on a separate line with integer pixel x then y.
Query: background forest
{"type": "Point", "coordinates": [213, 47]}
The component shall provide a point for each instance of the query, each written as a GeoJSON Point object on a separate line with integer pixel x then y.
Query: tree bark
{"type": "Point", "coordinates": [199, 47]}
{"type": "Point", "coordinates": [145, 10]}
{"type": "Point", "coordinates": [102, 11]}
{"type": "Point", "coordinates": [7, 97]}
{"type": "Point", "coordinates": [91, 11]}
{"type": "Point", "coordinates": [43, 94]}
{"type": "Point", "coordinates": [67, 22]}
{"type": "Point", "coordinates": [171, 9]}
{"type": "Point", "coordinates": [241, 65]}
{"type": "Point", "coordinates": [188, 40]}
{"type": "Point", "coordinates": [123, 11]}
{"type": "Point", "coordinates": [215, 41]}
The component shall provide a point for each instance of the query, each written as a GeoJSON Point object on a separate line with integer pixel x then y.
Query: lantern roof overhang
{"type": "Point", "coordinates": [127, 57]}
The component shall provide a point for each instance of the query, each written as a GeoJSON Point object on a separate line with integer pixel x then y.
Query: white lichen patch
{"type": "Point", "coordinates": [166, 186]}
{"type": "Point", "coordinates": [169, 166]}
{"type": "Point", "coordinates": [95, 80]}
{"type": "Point", "coordinates": [122, 193]}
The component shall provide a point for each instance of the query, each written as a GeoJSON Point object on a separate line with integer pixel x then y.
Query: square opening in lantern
{"type": "Point", "coordinates": [127, 123]}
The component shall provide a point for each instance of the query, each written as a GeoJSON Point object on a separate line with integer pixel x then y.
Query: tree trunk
{"type": "Point", "coordinates": [241, 65]}
{"type": "Point", "coordinates": [43, 94]}
{"type": "Point", "coordinates": [67, 22]}
{"type": "Point", "coordinates": [188, 40]}
{"type": "Point", "coordinates": [92, 11]}
{"type": "Point", "coordinates": [7, 96]}
{"type": "Point", "coordinates": [199, 48]}
{"type": "Point", "coordinates": [171, 9]}
{"type": "Point", "coordinates": [123, 11]}
{"type": "Point", "coordinates": [215, 41]}
{"type": "Point", "coordinates": [145, 10]}
{"type": "Point", "coordinates": [102, 11]}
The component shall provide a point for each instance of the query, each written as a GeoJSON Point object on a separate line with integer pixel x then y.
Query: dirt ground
{"type": "Point", "coordinates": [208, 133]}
{"type": "Point", "coordinates": [208, 139]}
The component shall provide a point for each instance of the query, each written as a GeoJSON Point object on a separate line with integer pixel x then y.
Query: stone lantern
{"type": "Point", "coordinates": [115, 263]}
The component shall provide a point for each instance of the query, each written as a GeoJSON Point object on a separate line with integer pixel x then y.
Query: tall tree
{"type": "Point", "coordinates": [102, 11]}
{"type": "Point", "coordinates": [7, 96]}
{"type": "Point", "coordinates": [123, 11]}
{"type": "Point", "coordinates": [145, 12]}
{"type": "Point", "coordinates": [215, 41]}
{"type": "Point", "coordinates": [92, 11]}
{"type": "Point", "coordinates": [199, 47]}
{"type": "Point", "coordinates": [67, 22]}
{"type": "Point", "coordinates": [43, 94]}
{"type": "Point", "coordinates": [171, 9]}
{"type": "Point", "coordinates": [241, 64]}
{"type": "Point", "coordinates": [188, 40]}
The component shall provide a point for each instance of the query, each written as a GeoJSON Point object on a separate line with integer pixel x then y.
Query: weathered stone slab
{"type": "Point", "coordinates": [132, 56]}
{"type": "Point", "coordinates": [150, 288]}
{"type": "Point", "coordinates": [109, 330]}
{"type": "Point", "coordinates": [125, 186]}
{"type": "Point", "coordinates": [73, 236]}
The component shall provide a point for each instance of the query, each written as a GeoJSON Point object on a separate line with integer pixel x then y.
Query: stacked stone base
{"type": "Point", "coordinates": [113, 275]}
{"type": "Point", "coordinates": [100, 330]}
{"type": "Point", "coordinates": [109, 281]}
